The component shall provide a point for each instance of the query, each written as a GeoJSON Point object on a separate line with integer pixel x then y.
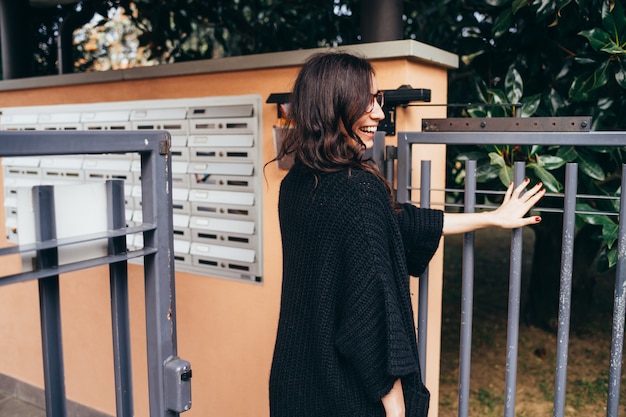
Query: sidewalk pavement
{"type": "Point", "coordinates": [13, 407]}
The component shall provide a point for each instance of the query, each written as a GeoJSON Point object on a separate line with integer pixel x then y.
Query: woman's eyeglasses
{"type": "Point", "coordinates": [378, 97]}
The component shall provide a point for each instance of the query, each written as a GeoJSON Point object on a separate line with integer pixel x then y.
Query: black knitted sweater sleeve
{"type": "Point", "coordinates": [421, 231]}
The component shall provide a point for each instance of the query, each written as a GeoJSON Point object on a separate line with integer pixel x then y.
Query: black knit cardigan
{"type": "Point", "coordinates": [346, 330]}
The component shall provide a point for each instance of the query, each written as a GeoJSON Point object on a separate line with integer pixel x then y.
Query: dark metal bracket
{"type": "Point", "coordinates": [508, 124]}
{"type": "Point", "coordinates": [401, 96]}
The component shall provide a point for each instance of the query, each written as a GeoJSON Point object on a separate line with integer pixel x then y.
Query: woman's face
{"type": "Point", "coordinates": [366, 126]}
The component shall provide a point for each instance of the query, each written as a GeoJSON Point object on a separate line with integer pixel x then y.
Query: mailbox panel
{"type": "Point", "coordinates": [217, 183]}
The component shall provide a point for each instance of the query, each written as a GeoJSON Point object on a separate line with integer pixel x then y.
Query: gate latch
{"type": "Point", "coordinates": [177, 385]}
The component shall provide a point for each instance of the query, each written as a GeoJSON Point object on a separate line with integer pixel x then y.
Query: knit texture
{"type": "Point", "coordinates": [346, 329]}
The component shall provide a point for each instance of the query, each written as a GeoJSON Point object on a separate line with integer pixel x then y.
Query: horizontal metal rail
{"type": "Point", "coordinates": [76, 239]}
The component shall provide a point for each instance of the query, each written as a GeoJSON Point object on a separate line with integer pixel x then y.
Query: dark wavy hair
{"type": "Point", "coordinates": [331, 90]}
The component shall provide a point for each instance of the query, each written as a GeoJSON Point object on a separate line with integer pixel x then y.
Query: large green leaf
{"type": "Point", "coordinates": [554, 102]}
{"type": "Point", "coordinates": [567, 153]}
{"type": "Point", "coordinates": [590, 167]}
{"type": "Point", "coordinates": [535, 149]}
{"type": "Point", "coordinates": [619, 19]}
{"type": "Point", "coordinates": [614, 20]}
{"type": "Point", "coordinates": [581, 87]}
{"type": "Point", "coordinates": [548, 180]}
{"type": "Point", "coordinates": [611, 257]}
{"type": "Point", "coordinates": [545, 9]}
{"type": "Point", "coordinates": [598, 38]}
{"type": "Point", "coordinates": [502, 24]}
{"type": "Point", "coordinates": [496, 159]}
{"type": "Point", "coordinates": [614, 49]}
{"type": "Point", "coordinates": [479, 87]}
{"type": "Point", "coordinates": [590, 215]}
{"type": "Point", "coordinates": [560, 4]}
{"type": "Point", "coordinates": [498, 97]}
{"type": "Point", "coordinates": [505, 172]}
{"type": "Point", "coordinates": [513, 85]}
{"type": "Point", "coordinates": [620, 74]}
{"type": "Point", "coordinates": [610, 233]}
{"type": "Point", "coordinates": [609, 228]}
{"type": "Point", "coordinates": [551, 162]}
{"type": "Point", "coordinates": [530, 105]}
{"type": "Point", "coordinates": [486, 173]}
{"type": "Point", "coordinates": [477, 112]}
{"type": "Point", "coordinates": [517, 5]}
{"type": "Point", "coordinates": [506, 175]}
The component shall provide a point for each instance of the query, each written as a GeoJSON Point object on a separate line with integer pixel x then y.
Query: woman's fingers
{"type": "Point", "coordinates": [509, 192]}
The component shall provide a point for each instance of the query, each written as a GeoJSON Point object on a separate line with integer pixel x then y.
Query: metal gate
{"type": "Point", "coordinates": [169, 377]}
{"type": "Point", "coordinates": [516, 131]}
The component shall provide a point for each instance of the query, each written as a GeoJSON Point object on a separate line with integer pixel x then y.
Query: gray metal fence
{"type": "Point", "coordinates": [472, 132]}
{"type": "Point", "coordinates": [168, 375]}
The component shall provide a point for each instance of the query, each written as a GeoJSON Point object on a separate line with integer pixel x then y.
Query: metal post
{"type": "Point", "coordinates": [422, 318]}
{"type": "Point", "coordinates": [514, 307]}
{"type": "Point", "coordinates": [390, 158]}
{"type": "Point", "coordinates": [159, 276]}
{"type": "Point", "coordinates": [467, 291]}
{"type": "Point", "coordinates": [404, 169]}
{"type": "Point", "coordinates": [120, 317]}
{"type": "Point", "coordinates": [619, 311]}
{"type": "Point", "coordinates": [49, 303]}
{"type": "Point", "coordinates": [565, 295]}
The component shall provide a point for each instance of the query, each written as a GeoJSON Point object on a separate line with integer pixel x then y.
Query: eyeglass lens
{"type": "Point", "coordinates": [379, 97]}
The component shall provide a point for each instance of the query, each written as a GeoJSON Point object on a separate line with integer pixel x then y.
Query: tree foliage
{"type": "Point", "coordinates": [554, 58]}
{"type": "Point", "coordinates": [183, 30]}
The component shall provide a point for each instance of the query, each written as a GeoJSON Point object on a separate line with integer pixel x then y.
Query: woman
{"type": "Point", "coordinates": [346, 343]}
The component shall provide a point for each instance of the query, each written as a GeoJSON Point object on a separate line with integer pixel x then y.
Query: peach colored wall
{"type": "Point", "coordinates": [226, 329]}
{"type": "Point", "coordinates": [410, 120]}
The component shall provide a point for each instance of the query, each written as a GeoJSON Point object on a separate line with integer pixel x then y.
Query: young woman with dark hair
{"type": "Point", "coordinates": [346, 343]}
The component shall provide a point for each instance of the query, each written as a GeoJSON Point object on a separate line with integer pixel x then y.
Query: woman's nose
{"type": "Point", "coordinates": [377, 113]}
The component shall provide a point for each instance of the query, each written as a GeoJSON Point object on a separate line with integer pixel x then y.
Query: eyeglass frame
{"type": "Point", "coordinates": [379, 97]}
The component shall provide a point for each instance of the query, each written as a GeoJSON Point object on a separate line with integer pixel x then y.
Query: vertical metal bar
{"type": "Point", "coordinates": [158, 273]}
{"type": "Point", "coordinates": [467, 294]}
{"type": "Point", "coordinates": [49, 303]}
{"type": "Point", "coordinates": [120, 317]}
{"type": "Point", "coordinates": [515, 279]}
{"type": "Point", "coordinates": [619, 311]}
{"type": "Point", "coordinates": [565, 294]}
{"type": "Point", "coordinates": [404, 169]}
{"type": "Point", "coordinates": [377, 151]}
{"type": "Point", "coordinates": [422, 316]}
{"type": "Point", "coordinates": [390, 158]}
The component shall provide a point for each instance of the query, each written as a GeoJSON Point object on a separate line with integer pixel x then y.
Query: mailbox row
{"type": "Point", "coordinates": [216, 160]}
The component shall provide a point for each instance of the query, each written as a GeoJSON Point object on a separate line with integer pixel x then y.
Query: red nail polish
{"type": "Point", "coordinates": [537, 219]}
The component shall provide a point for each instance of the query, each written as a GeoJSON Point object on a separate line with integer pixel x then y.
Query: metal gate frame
{"type": "Point", "coordinates": [168, 376]}
{"type": "Point", "coordinates": [517, 131]}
